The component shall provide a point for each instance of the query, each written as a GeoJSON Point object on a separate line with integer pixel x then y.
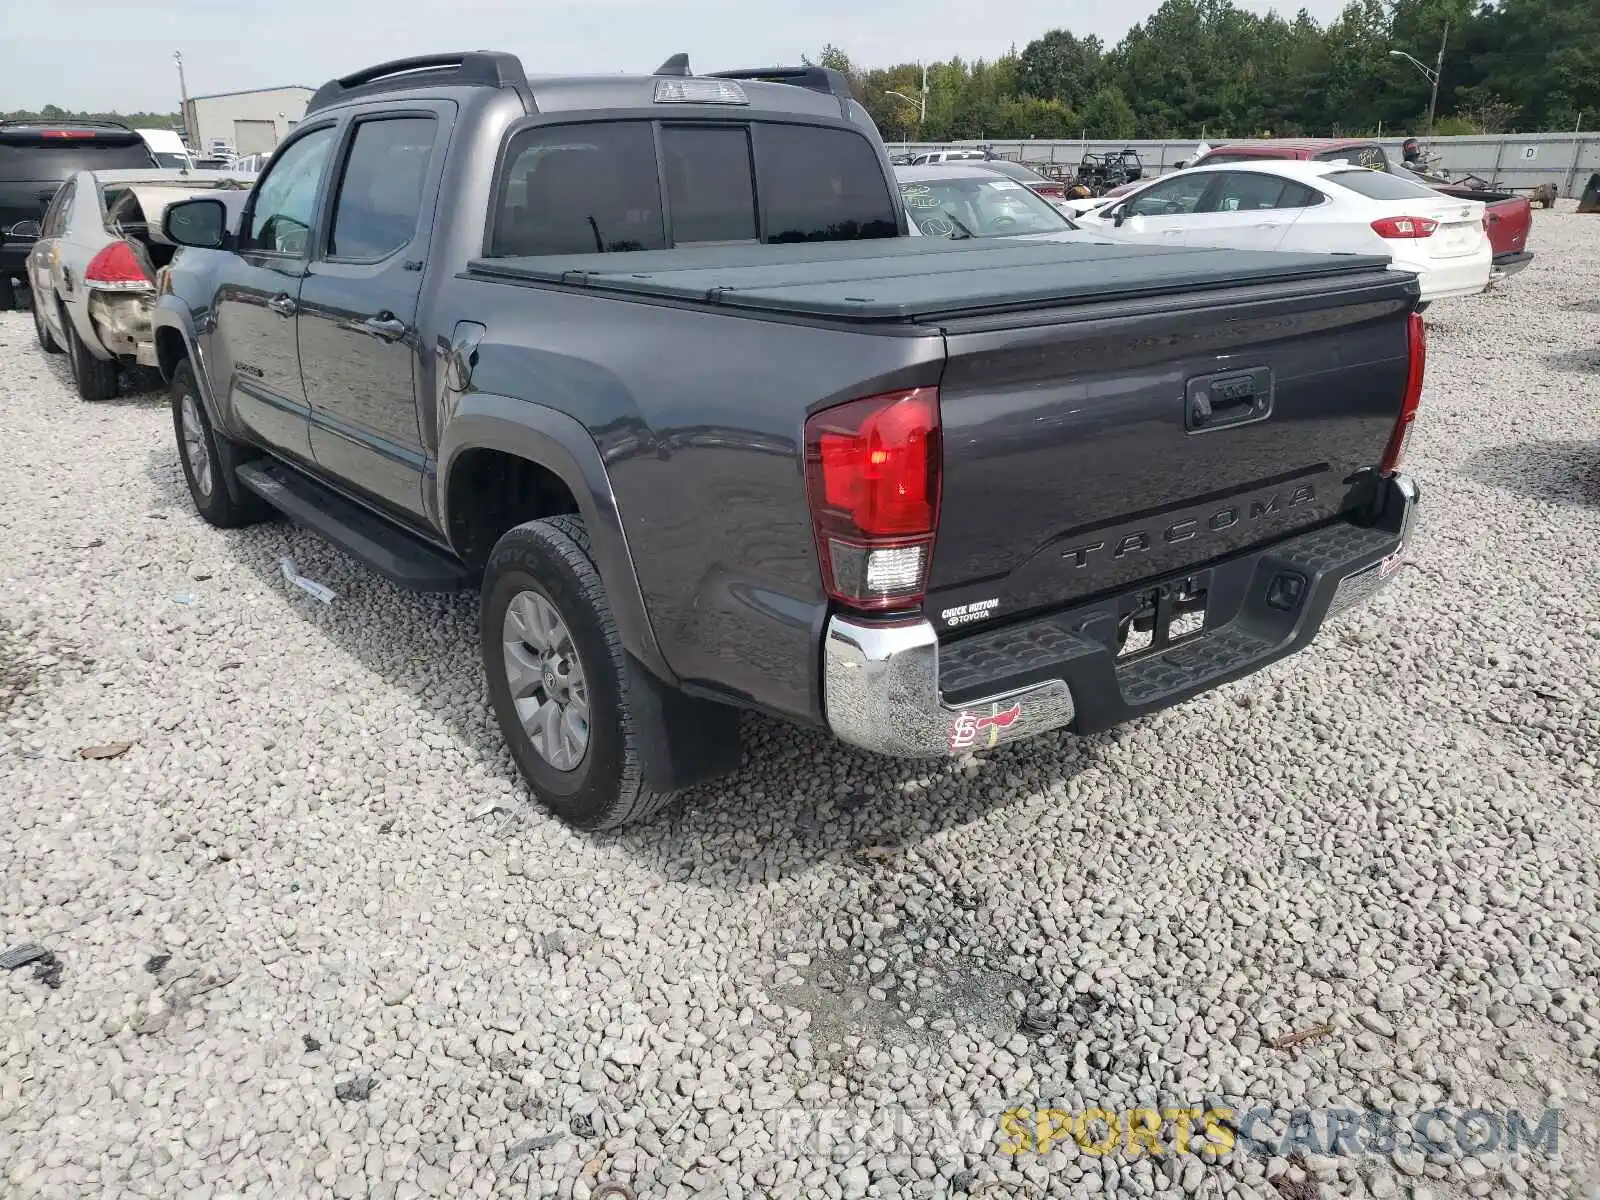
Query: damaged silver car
{"type": "Point", "coordinates": [93, 269]}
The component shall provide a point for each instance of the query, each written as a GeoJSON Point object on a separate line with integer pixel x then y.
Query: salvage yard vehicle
{"type": "Point", "coordinates": [1508, 217]}
{"type": "Point", "coordinates": [1310, 206]}
{"type": "Point", "coordinates": [652, 361]}
{"type": "Point", "coordinates": [35, 159]}
{"type": "Point", "coordinates": [961, 200]}
{"type": "Point", "coordinates": [168, 148]}
{"type": "Point", "coordinates": [1051, 190]}
{"type": "Point", "coordinates": [92, 269]}
{"type": "Point", "coordinates": [1102, 172]}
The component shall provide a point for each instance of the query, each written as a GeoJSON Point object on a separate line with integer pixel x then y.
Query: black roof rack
{"type": "Point", "coordinates": [816, 79]}
{"type": "Point", "coordinates": [465, 68]}
{"type": "Point", "coordinates": [677, 66]}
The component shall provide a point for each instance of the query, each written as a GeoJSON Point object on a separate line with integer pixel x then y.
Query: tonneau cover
{"type": "Point", "coordinates": [905, 279]}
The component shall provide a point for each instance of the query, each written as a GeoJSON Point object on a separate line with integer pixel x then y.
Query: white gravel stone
{"type": "Point", "coordinates": [1391, 834]}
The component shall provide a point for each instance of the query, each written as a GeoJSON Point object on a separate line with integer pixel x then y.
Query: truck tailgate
{"type": "Point", "coordinates": [1507, 217]}
{"type": "Point", "coordinates": [1094, 447]}
{"type": "Point", "coordinates": [1509, 222]}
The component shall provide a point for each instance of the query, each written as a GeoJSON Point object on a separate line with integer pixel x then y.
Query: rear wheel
{"type": "Point", "coordinates": [207, 458]}
{"type": "Point", "coordinates": [41, 330]}
{"type": "Point", "coordinates": [559, 679]}
{"type": "Point", "coordinates": [96, 377]}
{"type": "Point", "coordinates": [8, 294]}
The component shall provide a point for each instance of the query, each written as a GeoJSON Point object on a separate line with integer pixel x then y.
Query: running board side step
{"type": "Point", "coordinates": [403, 560]}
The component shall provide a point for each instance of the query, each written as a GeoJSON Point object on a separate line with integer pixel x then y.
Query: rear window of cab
{"type": "Point", "coordinates": [616, 186]}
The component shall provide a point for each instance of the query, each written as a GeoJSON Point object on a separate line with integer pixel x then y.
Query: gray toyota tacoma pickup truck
{"type": "Point", "coordinates": [652, 362]}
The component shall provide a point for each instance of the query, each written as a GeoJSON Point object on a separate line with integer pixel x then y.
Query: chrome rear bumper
{"type": "Point", "coordinates": [881, 680]}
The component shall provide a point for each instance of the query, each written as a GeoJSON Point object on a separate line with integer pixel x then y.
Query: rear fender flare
{"type": "Point", "coordinates": [562, 446]}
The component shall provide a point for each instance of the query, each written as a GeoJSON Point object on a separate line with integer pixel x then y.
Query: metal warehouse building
{"type": "Point", "coordinates": [251, 122]}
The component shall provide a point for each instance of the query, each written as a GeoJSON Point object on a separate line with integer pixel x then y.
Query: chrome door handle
{"type": "Point", "coordinates": [386, 327]}
{"type": "Point", "coordinates": [283, 304]}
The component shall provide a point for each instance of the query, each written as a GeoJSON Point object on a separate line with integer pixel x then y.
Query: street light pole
{"type": "Point", "coordinates": [1438, 68]}
{"type": "Point", "coordinates": [920, 105]}
{"type": "Point", "coordinates": [1431, 75]}
{"type": "Point", "coordinates": [183, 90]}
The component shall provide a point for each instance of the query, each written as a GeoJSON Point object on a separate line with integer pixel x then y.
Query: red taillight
{"type": "Point", "coordinates": [67, 133]}
{"type": "Point", "coordinates": [116, 267]}
{"type": "Point", "coordinates": [1404, 227]}
{"type": "Point", "coordinates": [1055, 193]}
{"type": "Point", "coordinates": [872, 479]}
{"type": "Point", "coordinates": [1418, 340]}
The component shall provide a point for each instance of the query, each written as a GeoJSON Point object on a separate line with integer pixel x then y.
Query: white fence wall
{"type": "Point", "coordinates": [1514, 160]}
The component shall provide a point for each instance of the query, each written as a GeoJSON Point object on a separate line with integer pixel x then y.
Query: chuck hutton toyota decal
{"type": "Point", "coordinates": [966, 614]}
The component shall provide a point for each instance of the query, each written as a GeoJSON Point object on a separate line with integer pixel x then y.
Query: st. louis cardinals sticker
{"type": "Point", "coordinates": [970, 728]}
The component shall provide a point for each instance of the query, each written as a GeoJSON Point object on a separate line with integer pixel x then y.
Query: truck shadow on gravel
{"type": "Point", "coordinates": [799, 798]}
{"type": "Point", "coordinates": [1565, 472]}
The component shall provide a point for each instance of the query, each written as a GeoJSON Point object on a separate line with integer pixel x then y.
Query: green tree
{"type": "Point", "coordinates": [1108, 115]}
{"type": "Point", "coordinates": [1543, 57]}
{"type": "Point", "coordinates": [1061, 67]}
{"type": "Point", "coordinates": [1209, 65]}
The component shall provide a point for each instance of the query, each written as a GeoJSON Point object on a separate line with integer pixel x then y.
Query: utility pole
{"type": "Point", "coordinates": [1431, 75]}
{"type": "Point", "coordinates": [1438, 68]}
{"type": "Point", "coordinates": [921, 105]}
{"type": "Point", "coordinates": [183, 90]}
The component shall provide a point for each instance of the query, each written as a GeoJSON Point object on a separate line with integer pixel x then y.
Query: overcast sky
{"type": "Point", "coordinates": [100, 55]}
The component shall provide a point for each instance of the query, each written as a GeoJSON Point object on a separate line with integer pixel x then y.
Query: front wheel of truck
{"type": "Point", "coordinates": [559, 679]}
{"type": "Point", "coordinates": [208, 458]}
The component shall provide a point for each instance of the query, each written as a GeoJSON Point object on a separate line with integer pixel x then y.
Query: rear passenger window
{"type": "Point", "coordinates": [1298, 195]}
{"type": "Point", "coordinates": [55, 218]}
{"type": "Point", "coordinates": [577, 189]}
{"type": "Point", "coordinates": [380, 192]}
{"type": "Point", "coordinates": [1244, 191]}
{"type": "Point", "coordinates": [821, 185]}
{"type": "Point", "coordinates": [708, 183]}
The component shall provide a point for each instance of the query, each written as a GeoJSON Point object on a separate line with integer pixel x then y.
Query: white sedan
{"type": "Point", "coordinates": [1316, 207]}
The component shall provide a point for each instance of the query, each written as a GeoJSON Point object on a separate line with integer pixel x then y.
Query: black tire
{"type": "Point", "coordinates": [96, 377]}
{"type": "Point", "coordinates": [552, 559]}
{"type": "Point", "coordinates": [8, 294]}
{"type": "Point", "coordinates": [210, 484]}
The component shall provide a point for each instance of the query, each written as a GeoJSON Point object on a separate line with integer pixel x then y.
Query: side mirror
{"type": "Point", "coordinates": [1119, 214]}
{"type": "Point", "coordinates": [201, 223]}
{"type": "Point", "coordinates": [24, 230]}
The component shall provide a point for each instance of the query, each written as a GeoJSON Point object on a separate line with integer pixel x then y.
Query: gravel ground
{"type": "Point", "coordinates": [309, 938]}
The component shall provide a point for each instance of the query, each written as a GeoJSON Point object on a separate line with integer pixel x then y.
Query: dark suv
{"type": "Point", "coordinates": [36, 158]}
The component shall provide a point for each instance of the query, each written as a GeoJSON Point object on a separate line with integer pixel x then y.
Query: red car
{"type": "Point", "coordinates": [1507, 218]}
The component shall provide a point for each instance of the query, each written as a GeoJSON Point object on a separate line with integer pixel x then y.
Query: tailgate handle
{"type": "Point", "coordinates": [1228, 398]}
